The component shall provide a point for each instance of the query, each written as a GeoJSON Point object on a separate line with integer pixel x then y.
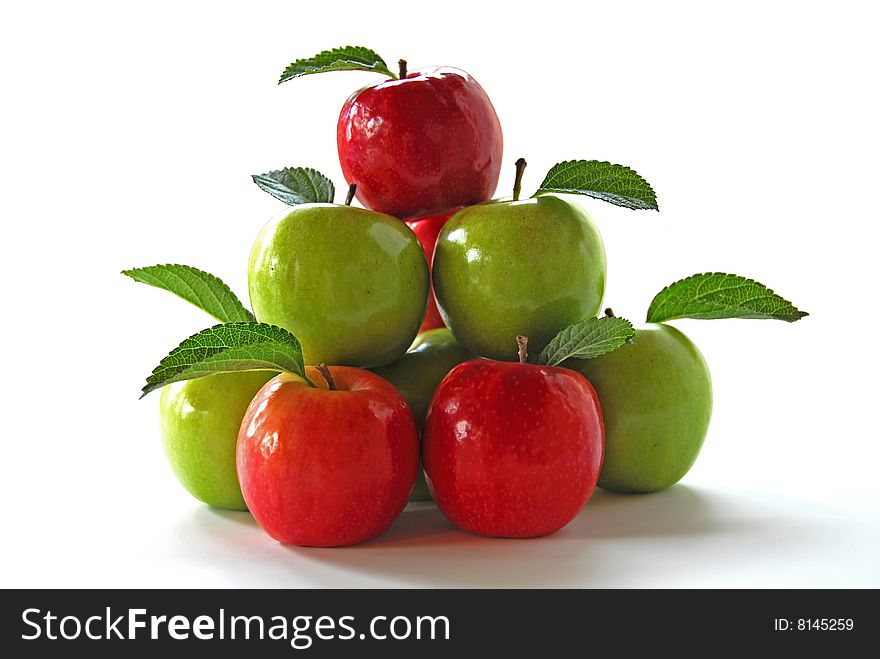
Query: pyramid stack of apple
{"type": "Point", "coordinates": [434, 330]}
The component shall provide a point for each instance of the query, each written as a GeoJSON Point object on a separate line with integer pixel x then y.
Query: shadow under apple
{"type": "Point", "coordinates": [423, 549]}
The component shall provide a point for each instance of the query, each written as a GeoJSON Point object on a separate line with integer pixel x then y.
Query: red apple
{"type": "Point", "coordinates": [512, 450]}
{"type": "Point", "coordinates": [427, 228]}
{"type": "Point", "coordinates": [424, 143]}
{"type": "Point", "coordinates": [327, 465]}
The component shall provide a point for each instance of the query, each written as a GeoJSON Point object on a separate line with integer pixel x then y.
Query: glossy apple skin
{"type": "Point", "coordinates": [427, 228]}
{"type": "Point", "coordinates": [529, 267]}
{"type": "Point", "coordinates": [416, 376]}
{"type": "Point", "coordinates": [199, 422]}
{"type": "Point", "coordinates": [350, 284]}
{"type": "Point", "coordinates": [422, 144]}
{"type": "Point", "coordinates": [657, 398]}
{"type": "Point", "coordinates": [327, 468]}
{"type": "Point", "coordinates": [512, 450]}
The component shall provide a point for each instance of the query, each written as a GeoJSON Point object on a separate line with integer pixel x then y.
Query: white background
{"type": "Point", "coordinates": [128, 132]}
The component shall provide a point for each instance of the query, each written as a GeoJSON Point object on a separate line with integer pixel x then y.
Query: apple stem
{"type": "Point", "coordinates": [350, 196]}
{"type": "Point", "coordinates": [517, 182]}
{"type": "Point", "coordinates": [325, 371]}
{"type": "Point", "coordinates": [610, 314]}
{"type": "Point", "coordinates": [402, 64]}
{"type": "Point", "coordinates": [522, 343]}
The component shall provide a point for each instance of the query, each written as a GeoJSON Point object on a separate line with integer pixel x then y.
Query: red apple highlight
{"type": "Point", "coordinates": [513, 450]}
{"type": "Point", "coordinates": [424, 143]}
{"type": "Point", "coordinates": [328, 465]}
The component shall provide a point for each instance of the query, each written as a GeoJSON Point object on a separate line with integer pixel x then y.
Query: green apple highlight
{"type": "Point", "coordinates": [350, 284]}
{"type": "Point", "coordinates": [416, 376]}
{"type": "Point", "coordinates": [530, 267]}
{"type": "Point", "coordinates": [199, 424]}
{"type": "Point", "coordinates": [656, 397]}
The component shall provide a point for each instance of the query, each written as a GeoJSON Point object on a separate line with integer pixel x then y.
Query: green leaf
{"type": "Point", "coordinates": [196, 286]}
{"type": "Point", "coordinates": [228, 348]}
{"type": "Point", "coordinates": [346, 58]}
{"type": "Point", "coordinates": [587, 339]}
{"type": "Point", "coordinates": [616, 184]}
{"type": "Point", "coordinates": [719, 295]}
{"type": "Point", "coordinates": [297, 185]}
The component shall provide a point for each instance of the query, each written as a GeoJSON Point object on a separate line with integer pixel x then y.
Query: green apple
{"type": "Point", "coordinates": [199, 424]}
{"type": "Point", "coordinates": [350, 284]}
{"type": "Point", "coordinates": [417, 374]}
{"type": "Point", "coordinates": [656, 397]}
{"type": "Point", "coordinates": [529, 267]}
